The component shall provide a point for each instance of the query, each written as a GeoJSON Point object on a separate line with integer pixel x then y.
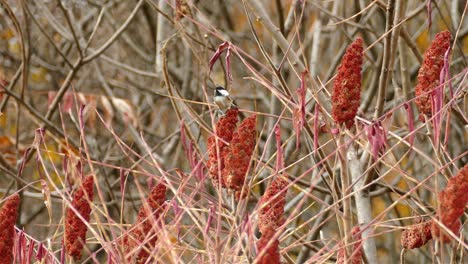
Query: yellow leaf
{"type": "Point", "coordinates": [7, 33]}
{"type": "Point", "coordinates": [39, 75]}
{"type": "Point", "coordinates": [14, 46]}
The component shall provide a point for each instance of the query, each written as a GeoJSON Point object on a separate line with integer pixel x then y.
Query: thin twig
{"type": "Point", "coordinates": [384, 74]}
{"type": "Point", "coordinates": [116, 35]}
{"type": "Point", "coordinates": [47, 36]}
{"type": "Point", "coordinates": [68, 18]}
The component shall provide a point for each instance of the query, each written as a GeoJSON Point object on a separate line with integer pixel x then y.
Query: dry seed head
{"type": "Point", "coordinates": [271, 254]}
{"type": "Point", "coordinates": [240, 152]}
{"type": "Point", "coordinates": [272, 206]}
{"type": "Point", "coordinates": [346, 95]}
{"type": "Point", "coordinates": [356, 256]}
{"type": "Point", "coordinates": [429, 73]}
{"type": "Point", "coordinates": [224, 129]}
{"type": "Point", "coordinates": [452, 202]}
{"type": "Point", "coordinates": [144, 227]}
{"type": "Point", "coordinates": [75, 229]}
{"type": "Point", "coordinates": [8, 216]}
{"type": "Point", "coordinates": [416, 236]}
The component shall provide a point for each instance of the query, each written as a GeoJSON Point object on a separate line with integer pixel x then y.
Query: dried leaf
{"type": "Point", "coordinates": [279, 150]}
{"type": "Point", "coordinates": [221, 48]}
{"type": "Point", "coordinates": [182, 9]}
{"type": "Point", "coordinates": [193, 157]}
{"type": "Point", "coordinates": [211, 216]}
{"type": "Point", "coordinates": [377, 137]}
{"type": "Point", "coordinates": [228, 64]}
{"type": "Point", "coordinates": [299, 112]}
{"type": "Point", "coordinates": [316, 127]}
{"type": "Point", "coordinates": [47, 198]}
{"type": "Point", "coordinates": [409, 116]}
{"type": "Point", "coordinates": [429, 13]}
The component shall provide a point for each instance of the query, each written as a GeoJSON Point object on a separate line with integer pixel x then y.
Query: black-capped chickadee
{"type": "Point", "coordinates": [223, 100]}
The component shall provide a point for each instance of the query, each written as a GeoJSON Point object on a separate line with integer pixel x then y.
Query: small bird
{"type": "Point", "coordinates": [223, 100]}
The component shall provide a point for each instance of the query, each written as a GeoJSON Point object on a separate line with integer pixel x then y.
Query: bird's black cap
{"type": "Point", "coordinates": [219, 90]}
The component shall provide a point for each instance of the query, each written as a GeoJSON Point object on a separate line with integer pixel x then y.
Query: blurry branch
{"type": "Point", "coordinates": [37, 60]}
{"type": "Point", "coordinates": [259, 11]}
{"type": "Point", "coordinates": [80, 62]}
{"type": "Point", "coordinates": [56, 25]}
{"type": "Point", "coordinates": [454, 15]}
{"type": "Point", "coordinates": [341, 20]}
{"type": "Point", "coordinates": [315, 230]}
{"type": "Point", "coordinates": [130, 126]}
{"type": "Point", "coordinates": [386, 67]}
{"type": "Point", "coordinates": [279, 10]}
{"type": "Point", "coordinates": [452, 28]}
{"type": "Point", "coordinates": [285, 47]}
{"type": "Point", "coordinates": [11, 84]}
{"type": "Point", "coordinates": [63, 89]}
{"type": "Point", "coordinates": [114, 37]}
{"type": "Point", "coordinates": [24, 61]}
{"type": "Point", "coordinates": [108, 92]}
{"type": "Point", "coordinates": [187, 69]}
{"type": "Point", "coordinates": [49, 39]}
{"type": "Point", "coordinates": [373, 86]}
{"type": "Point", "coordinates": [11, 173]}
{"type": "Point", "coordinates": [405, 80]}
{"type": "Point", "coordinates": [129, 68]}
{"type": "Point", "coordinates": [276, 70]}
{"type": "Point", "coordinates": [163, 31]}
{"type": "Point", "coordinates": [68, 16]}
{"type": "Point", "coordinates": [353, 32]}
{"type": "Point", "coordinates": [411, 44]}
{"type": "Point", "coordinates": [314, 52]}
{"type": "Point", "coordinates": [155, 7]}
{"type": "Point", "coordinates": [96, 26]}
{"type": "Point", "coordinates": [170, 89]}
{"type": "Point", "coordinates": [20, 35]}
{"type": "Point", "coordinates": [128, 40]}
{"type": "Point", "coordinates": [395, 36]}
{"type": "Point", "coordinates": [404, 32]}
{"type": "Point", "coordinates": [291, 17]}
{"type": "Point", "coordinates": [39, 117]}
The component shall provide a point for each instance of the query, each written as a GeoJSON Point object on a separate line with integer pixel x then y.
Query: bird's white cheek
{"type": "Point", "coordinates": [224, 93]}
